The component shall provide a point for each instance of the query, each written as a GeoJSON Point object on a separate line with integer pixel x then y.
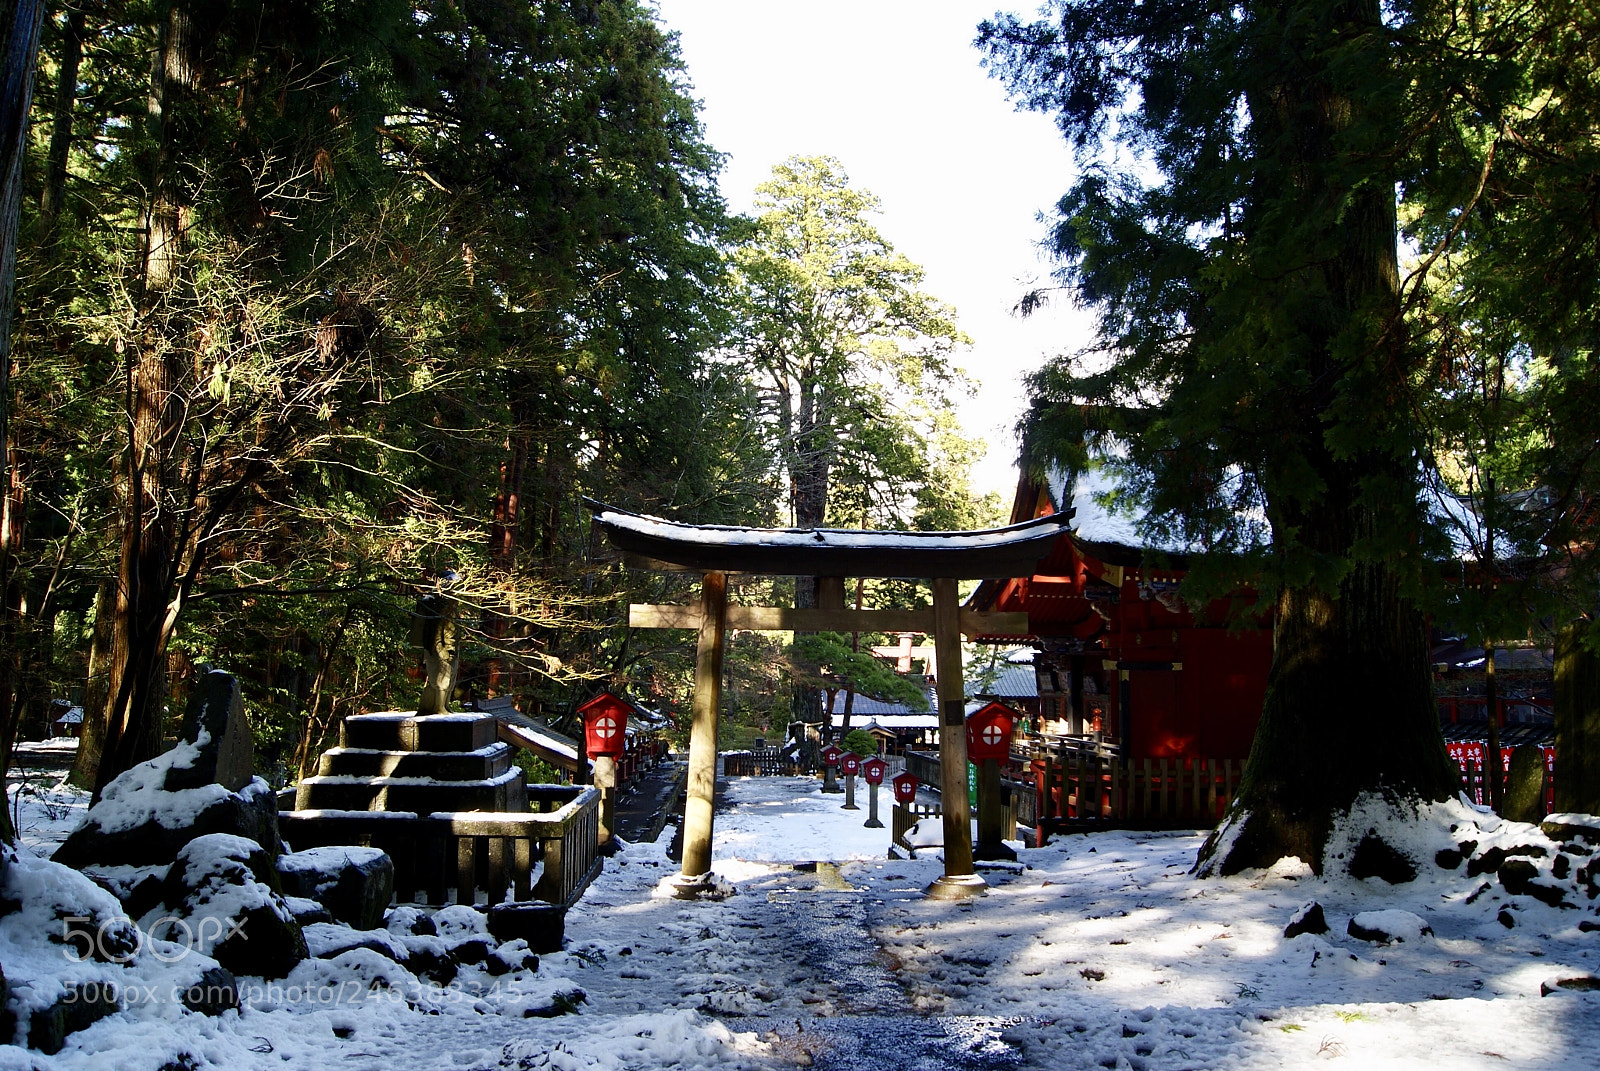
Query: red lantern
{"type": "Point", "coordinates": [873, 770]}
{"type": "Point", "coordinates": [830, 755]}
{"type": "Point", "coordinates": [989, 733]}
{"type": "Point", "coordinates": [850, 764]}
{"type": "Point", "coordinates": [905, 787]}
{"type": "Point", "coordinates": [605, 725]}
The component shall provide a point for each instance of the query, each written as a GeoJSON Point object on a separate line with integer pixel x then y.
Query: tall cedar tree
{"type": "Point", "coordinates": [1243, 263]}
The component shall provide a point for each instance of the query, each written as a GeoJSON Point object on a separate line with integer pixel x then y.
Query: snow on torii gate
{"type": "Point", "coordinates": [830, 554]}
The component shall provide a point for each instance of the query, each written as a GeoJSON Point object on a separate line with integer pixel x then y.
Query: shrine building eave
{"type": "Point", "coordinates": [667, 546]}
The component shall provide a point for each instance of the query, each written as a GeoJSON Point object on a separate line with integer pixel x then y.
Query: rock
{"type": "Point", "coordinates": [223, 898]}
{"type": "Point", "coordinates": [1519, 878]}
{"type": "Point", "coordinates": [1448, 858]}
{"type": "Point", "coordinates": [325, 940]}
{"type": "Point", "coordinates": [217, 725]}
{"type": "Point", "coordinates": [8, 1018]}
{"type": "Point", "coordinates": [138, 822]}
{"type": "Point", "coordinates": [429, 958]}
{"type": "Point", "coordinates": [1490, 861]}
{"type": "Point", "coordinates": [1506, 919]}
{"type": "Point", "coordinates": [1525, 785]}
{"type": "Point", "coordinates": [1374, 857]}
{"type": "Point", "coordinates": [471, 950]}
{"type": "Point", "coordinates": [511, 956]}
{"type": "Point", "coordinates": [307, 912]}
{"type": "Point", "coordinates": [1388, 927]}
{"type": "Point", "coordinates": [1560, 867]}
{"type": "Point", "coordinates": [139, 888]}
{"type": "Point", "coordinates": [81, 1005]}
{"type": "Point", "coordinates": [1572, 826]}
{"type": "Point", "coordinates": [1583, 983]}
{"type": "Point", "coordinates": [354, 884]}
{"type": "Point", "coordinates": [1588, 926]}
{"type": "Point", "coordinates": [215, 992]}
{"type": "Point", "coordinates": [540, 924]}
{"type": "Point", "coordinates": [1309, 919]}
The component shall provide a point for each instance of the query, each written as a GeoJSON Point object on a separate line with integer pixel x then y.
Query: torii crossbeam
{"type": "Point", "coordinates": [830, 554]}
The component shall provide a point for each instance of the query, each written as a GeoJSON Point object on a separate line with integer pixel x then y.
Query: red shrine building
{"type": "Point", "coordinates": [1122, 659]}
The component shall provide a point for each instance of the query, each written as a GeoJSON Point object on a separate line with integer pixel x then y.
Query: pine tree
{"type": "Point", "coordinates": [1244, 266]}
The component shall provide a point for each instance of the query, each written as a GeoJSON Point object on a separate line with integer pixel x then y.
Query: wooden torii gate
{"type": "Point", "coordinates": [831, 555]}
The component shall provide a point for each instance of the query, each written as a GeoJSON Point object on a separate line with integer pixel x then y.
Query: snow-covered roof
{"type": "Point", "coordinates": [868, 707]}
{"type": "Point", "coordinates": [654, 543]}
{"type": "Point", "coordinates": [892, 721]}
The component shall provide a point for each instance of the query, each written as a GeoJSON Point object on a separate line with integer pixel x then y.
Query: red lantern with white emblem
{"type": "Point", "coordinates": [905, 787]}
{"type": "Point", "coordinates": [989, 733]}
{"type": "Point", "coordinates": [873, 770]}
{"type": "Point", "coordinates": [850, 763]}
{"type": "Point", "coordinates": [605, 725]}
{"type": "Point", "coordinates": [830, 755]}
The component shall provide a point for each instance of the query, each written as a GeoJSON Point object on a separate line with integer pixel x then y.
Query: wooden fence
{"type": "Point", "coordinates": [1084, 790]}
{"type": "Point", "coordinates": [460, 854]}
{"type": "Point", "coordinates": [759, 762]}
{"type": "Point", "coordinates": [907, 815]}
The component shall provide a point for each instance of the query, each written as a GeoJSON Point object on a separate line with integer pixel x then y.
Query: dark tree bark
{"type": "Point", "coordinates": [147, 569]}
{"type": "Point", "coordinates": [86, 766]}
{"type": "Point", "coordinates": [21, 42]}
{"type": "Point", "coordinates": [1577, 773]}
{"type": "Point", "coordinates": [55, 168]}
{"type": "Point", "coordinates": [1349, 706]}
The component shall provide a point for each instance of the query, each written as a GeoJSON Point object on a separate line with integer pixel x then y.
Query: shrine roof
{"type": "Point", "coordinates": [662, 545]}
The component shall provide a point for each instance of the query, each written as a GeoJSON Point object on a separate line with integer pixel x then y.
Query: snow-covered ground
{"type": "Point", "coordinates": [1095, 951]}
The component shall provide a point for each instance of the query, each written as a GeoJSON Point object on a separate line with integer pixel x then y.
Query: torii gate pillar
{"type": "Point", "coordinates": [699, 802]}
{"type": "Point", "coordinates": [959, 880]}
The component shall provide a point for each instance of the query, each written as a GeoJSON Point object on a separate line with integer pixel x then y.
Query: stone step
{"type": "Point", "coordinates": [488, 762]}
{"type": "Point", "coordinates": [401, 731]}
{"type": "Point", "coordinates": [506, 792]}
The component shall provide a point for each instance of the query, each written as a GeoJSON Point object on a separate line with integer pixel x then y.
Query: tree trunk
{"type": "Point", "coordinates": [55, 168]}
{"type": "Point", "coordinates": [86, 766]}
{"type": "Point", "coordinates": [148, 568]}
{"type": "Point", "coordinates": [1349, 707]}
{"type": "Point", "coordinates": [21, 43]}
{"type": "Point", "coordinates": [1577, 773]}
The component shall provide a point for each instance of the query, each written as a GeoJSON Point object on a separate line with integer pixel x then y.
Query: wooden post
{"type": "Point", "coordinates": [991, 814]}
{"type": "Point", "coordinates": [872, 809]}
{"type": "Point", "coordinates": [702, 784]}
{"type": "Point", "coordinates": [605, 779]}
{"type": "Point", "coordinates": [959, 880]}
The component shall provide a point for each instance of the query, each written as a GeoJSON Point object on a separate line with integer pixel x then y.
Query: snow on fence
{"type": "Point", "coordinates": [760, 762]}
{"type": "Point", "coordinates": [467, 852]}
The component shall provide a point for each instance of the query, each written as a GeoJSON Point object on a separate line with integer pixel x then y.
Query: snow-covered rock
{"type": "Point", "coordinates": [1388, 926]}
{"type": "Point", "coordinates": [354, 884]}
{"type": "Point", "coordinates": [1567, 826]}
{"type": "Point", "coordinates": [1309, 918]}
{"type": "Point", "coordinates": [541, 925]}
{"type": "Point", "coordinates": [140, 821]}
{"type": "Point", "coordinates": [222, 900]}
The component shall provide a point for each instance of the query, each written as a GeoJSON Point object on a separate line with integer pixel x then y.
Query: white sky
{"type": "Point", "coordinates": [894, 90]}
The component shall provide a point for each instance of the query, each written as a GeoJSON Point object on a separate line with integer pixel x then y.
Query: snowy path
{"type": "Point", "coordinates": [1098, 951]}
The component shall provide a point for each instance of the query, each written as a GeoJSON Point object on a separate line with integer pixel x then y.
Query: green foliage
{"type": "Point", "coordinates": [851, 355]}
{"type": "Point", "coordinates": [860, 742]}
{"type": "Point", "coordinates": [841, 666]}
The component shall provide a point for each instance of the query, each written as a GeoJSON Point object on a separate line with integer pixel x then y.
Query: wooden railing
{"type": "Point", "coordinates": [467, 852]}
{"type": "Point", "coordinates": [907, 815]}
{"type": "Point", "coordinates": [1086, 790]}
{"type": "Point", "coordinates": [759, 762]}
